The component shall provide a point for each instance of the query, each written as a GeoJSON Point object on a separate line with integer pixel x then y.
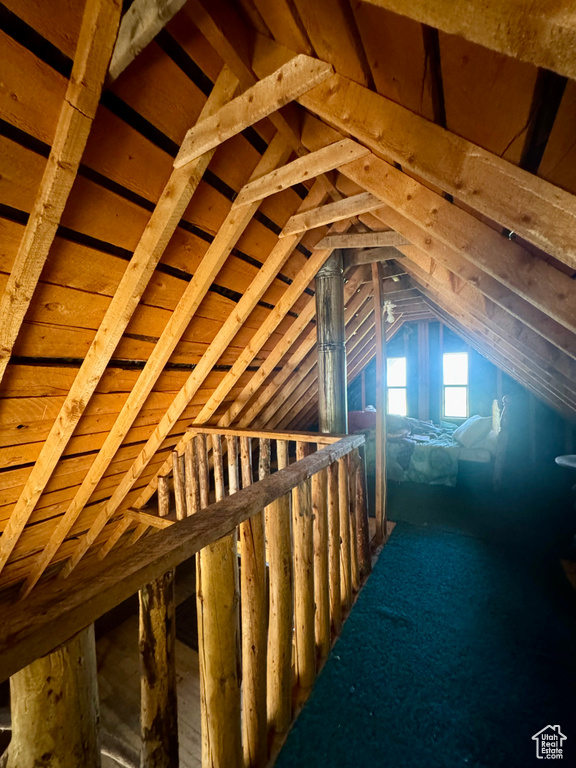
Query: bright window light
{"type": "Point", "coordinates": [455, 369]}
{"type": "Point", "coordinates": [396, 380]}
{"type": "Point", "coordinates": [397, 401]}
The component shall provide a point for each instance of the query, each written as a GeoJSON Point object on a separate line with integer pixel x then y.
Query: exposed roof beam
{"type": "Point", "coordinates": [529, 276]}
{"type": "Point", "coordinates": [140, 25]}
{"type": "Point", "coordinates": [358, 240]}
{"type": "Point", "coordinates": [303, 169]}
{"type": "Point", "coordinates": [526, 204]}
{"type": "Point", "coordinates": [543, 34]}
{"type": "Point", "coordinates": [355, 258]}
{"type": "Point", "coordinates": [327, 214]}
{"type": "Point", "coordinates": [95, 43]}
{"type": "Point", "coordinates": [290, 81]}
{"type": "Point", "coordinates": [164, 220]}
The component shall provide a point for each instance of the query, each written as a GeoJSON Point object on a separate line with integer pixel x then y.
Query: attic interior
{"type": "Point", "coordinates": [287, 400]}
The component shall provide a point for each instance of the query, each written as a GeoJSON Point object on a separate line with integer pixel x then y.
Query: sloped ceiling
{"type": "Point", "coordinates": [147, 287]}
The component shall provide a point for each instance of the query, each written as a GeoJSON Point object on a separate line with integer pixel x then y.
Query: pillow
{"type": "Point", "coordinates": [490, 442]}
{"type": "Point", "coordinates": [473, 431]}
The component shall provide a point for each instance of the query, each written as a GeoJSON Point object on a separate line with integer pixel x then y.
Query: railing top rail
{"type": "Point", "coordinates": [52, 615]}
{"type": "Point", "coordinates": [301, 437]}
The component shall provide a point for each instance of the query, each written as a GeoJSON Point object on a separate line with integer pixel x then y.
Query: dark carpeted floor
{"type": "Point", "coordinates": [461, 646]}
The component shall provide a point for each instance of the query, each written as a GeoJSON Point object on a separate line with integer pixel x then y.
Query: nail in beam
{"type": "Point", "coordinates": [55, 711]}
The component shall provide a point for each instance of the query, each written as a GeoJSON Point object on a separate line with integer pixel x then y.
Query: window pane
{"type": "Point", "coordinates": [456, 368]}
{"type": "Point", "coordinates": [397, 401]}
{"type": "Point", "coordinates": [455, 404]}
{"type": "Point", "coordinates": [396, 371]}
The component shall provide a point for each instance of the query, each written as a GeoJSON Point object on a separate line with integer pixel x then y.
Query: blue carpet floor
{"type": "Point", "coordinates": [461, 646]}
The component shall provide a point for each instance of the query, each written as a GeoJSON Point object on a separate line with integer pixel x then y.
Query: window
{"type": "Point", "coordinates": [456, 385]}
{"type": "Point", "coordinates": [396, 381]}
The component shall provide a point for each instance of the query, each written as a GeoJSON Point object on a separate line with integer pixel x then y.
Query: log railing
{"type": "Point", "coordinates": [297, 525]}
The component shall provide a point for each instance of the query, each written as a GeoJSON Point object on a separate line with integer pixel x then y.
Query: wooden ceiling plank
{"type": "Point", "coordinates": [492, 288]}
{"type": "Point", "coordinates": [261, 282]}
{"type": "Point", "coordinates": [535, 280]}
{"type": "Point", "coordinates": [330, 213]}
{"type": "Point", "coordinates": [140, 25]}
{"type": "Point", "coordinates": [543, 34]}
{"type": "Point", "coordinates": [363, 240]}
{"type": "Point", "coordinates": [526, 204]}
{"type": "Point", "coordinates": [284, 24]}
{"type": "Point", "coordinates": [219, 250]}
{"type": "Point", "coordinates": [164, 220]}
{"type": "Point", "coordinates": [302, 169]}
{"type": "Point", "coordinates": [95, 44]}
{"type": "Point", "coordinates": [290, 81]}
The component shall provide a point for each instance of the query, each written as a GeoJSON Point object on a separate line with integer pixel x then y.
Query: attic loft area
{"type": "Point", "coordinates": [287, 400]}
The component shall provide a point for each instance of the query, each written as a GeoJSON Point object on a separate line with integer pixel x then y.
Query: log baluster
{"type": "Point", "coordinates": [191, 467]}
{"type": "Point", "coordinates": [203, 472]}
{"type": "Point", "coordinates": [305, 656]}
{"type": "Point", "coordinates": [321, 577]}
{"type": "Point", "coordinates": [233, 479]}
{"type": "Point", "coordinates": [334, 549]}
{"type": "Point", "coordinates": [345, 555]}
{"type": "Point", "coordinates": [362, 523]}
{"type": "Point", "coordinates": [279, 668]}
{"type": "Point", "coordinates": [163, 496]}
{"type": "Point", "coordinates": [217, 605]}
{"type": "Point", "coordinates": [179, 485]}
{"type": "Point", "coordinates": [355, 569]}
{"type": "Point", "coordinates": [254, 630]}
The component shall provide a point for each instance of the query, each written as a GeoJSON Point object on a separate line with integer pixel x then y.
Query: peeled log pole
{"type": "Point", "coordinates": [321, 582]}
{"type": "Point", "coordinates": [380, 511]}
{"type": "Point", "coordinates": [353, 464]}
{"type": "Point", "coordinates": [345, 555]}
{"type": "Point", "coordinates": [305, 657]}
{"type": "Point", "coordinates": [334, 549]}
{"type": "Point", "coordinates": [254, 640]}
{"type": "Point", "coordinates": [158, 703]}
{"type": "Point", "coordinates": [362, 523]}
{"type": "Point", "coordinates": [217, 605]}
{"type": "Point", "coordinates": [55, 711]}
{"type": "Point", "coordinates": [279, 669]}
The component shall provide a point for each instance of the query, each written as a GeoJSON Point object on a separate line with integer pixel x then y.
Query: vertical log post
{"type": "Point", "coordinates": [362, 524]}
{"type": "Point", "coordinates": [179, 485]}
{"type": "Point", "coordinates": [158, 697]}
{"type": "Point", "coordinates": [305, 657]}
{"type": "Point", "coordinates": [254, 640]}
{"type": "Point", "coordinates": [345, 555]}
{"type": "Point", "coordinates": [334, 549]}
{"type": "Point", "coordinates": [191, 466]}
{"type": "Point", "coordinates": [353, 465]}
{"type": "Point", "coordinates": [217, 604]}
{"type": "Point", "coordinates": [55, 711]}
{"type": "Point", "coordinates": [279, 669]}
{"type": "Point", "coordinates": [332, 394]}
{"type": "Point", "coordinates": [321, 579]}
{"type": "Point", "coordinates": [380, 334]}
{"type": "Point", "coordinates": [163, 497]}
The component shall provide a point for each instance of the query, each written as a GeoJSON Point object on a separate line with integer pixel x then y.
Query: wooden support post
{"type": "Point", "coordinates": [158, 697]}
{"type": "Point", "coordinates": [54, 705]}
{"type": "Point", "coordinates": [254, 640]}
{"type": "Point", "coordinates": [363, 385]}
{"type": "Point", "coordinates": [203, 475]}
{"type": "Point", "coordinates": [179, 485]}
{"type": "Point", "coordinates": [345, 556]}
{"type": "Point", "coordinates": [362, 523]}
{"type": "Point", "coordinates": [218, 622]}
{"type": "Point", "coordinates": [321, 577]}
{"type": "Point", "coordinates": [191, 467]}
{"type": "Point", "coordinates": [380, 408]}
{"type": "Point", "coordinates": [163, 497]}
{"type": "Point", "coordinates": [279, 669]}
{"type": "Point", "coordinates": [423, 371]}
{"type": "Point", "coordinates": [352, 483]}
{"type": "Point", "coordinates": [302, 524]}
{"type": "Point", "coordinates": [334, 549]}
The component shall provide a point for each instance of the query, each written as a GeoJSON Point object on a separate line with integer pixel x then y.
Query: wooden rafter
{"type": "Point", "coordinates": [95, 44]}
{"type": "Point", "coordinates": [543, 34]}
{"type": "Point", "coordinates": [287, 83]}
{"type": "Point", "coordinates": [226, 238]}
{"type": "Point", "coordinates": [332, 212]}
{"type": "Point", "coordinates": [363, 240]}
{"type": "Point", "coordinates": [164, 220]}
